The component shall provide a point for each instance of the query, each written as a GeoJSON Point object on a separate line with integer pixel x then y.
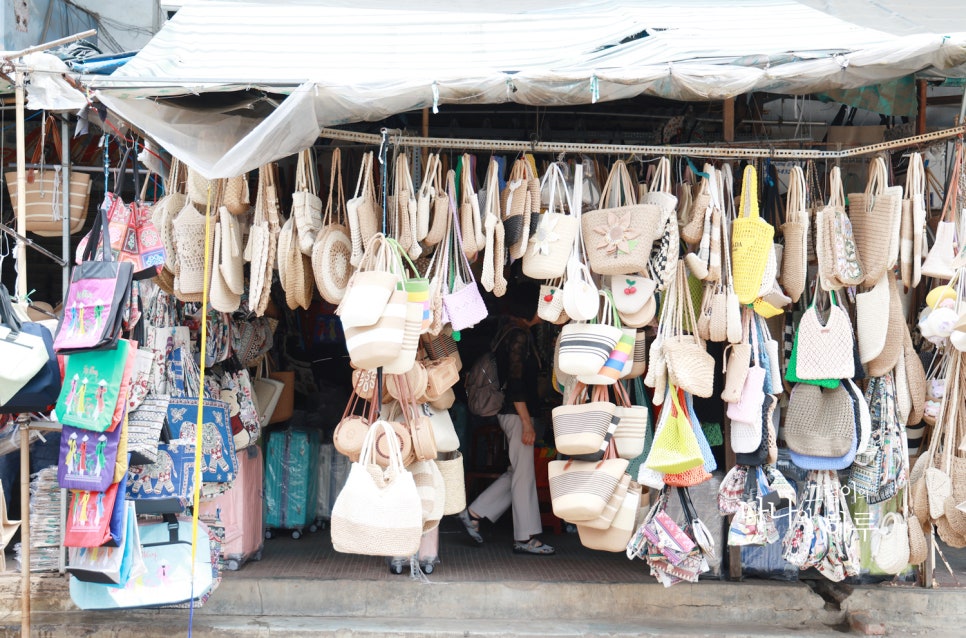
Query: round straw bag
{"type": "Point", "coordinates": [918, 551]}
{"type": "Point", "coordinates": [451, 468]}
{"type": "Point", "coordinates": [332, 251]}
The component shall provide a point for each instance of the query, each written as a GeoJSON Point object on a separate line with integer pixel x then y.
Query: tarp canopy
{"type": "Point", "coordinates": [342, 61]}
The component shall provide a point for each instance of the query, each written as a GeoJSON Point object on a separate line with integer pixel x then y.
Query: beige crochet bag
{"type": "Point", "coordinates": [795, 231]}
{"type": "Point", "coordinates": [471, 223]}
{"type": "Point", "coordinates": [197, 186]}
{"type": "Point", "coordinates": [167, 208]}
{"type": "Point", "coordinates": [825, 351]}
{"type": "Point", "coordinates": [494, 251]}
{"type": "Point", "coordinates": [189, 241]}
{"type": "Point", "coordinates": [306, 205]}
{"type": "Point", "coordinates": [432, 196]}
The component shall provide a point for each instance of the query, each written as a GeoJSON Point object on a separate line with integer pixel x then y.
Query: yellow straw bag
{"type": "Point", "coordinates": [751, 240]}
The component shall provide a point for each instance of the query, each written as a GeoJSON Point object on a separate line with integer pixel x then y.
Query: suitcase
{"type": "Point", "coordinates": [239, 511]}
{"type": "Point", "coordinates": [333, 472]}
{"type": "Point", "coordinates": [291, 481]}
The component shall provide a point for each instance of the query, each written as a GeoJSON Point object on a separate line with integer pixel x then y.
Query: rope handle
{"type": "Point", "coordinates": [749, 193]}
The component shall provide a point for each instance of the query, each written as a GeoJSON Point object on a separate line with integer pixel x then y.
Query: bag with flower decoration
{"type": "Point", "coordinates": [619, 235]}
{"type": "Point", "coordinates": [552, 241]}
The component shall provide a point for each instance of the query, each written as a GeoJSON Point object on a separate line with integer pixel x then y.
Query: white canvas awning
{"type": "Point", "coordinates": [340, 61]}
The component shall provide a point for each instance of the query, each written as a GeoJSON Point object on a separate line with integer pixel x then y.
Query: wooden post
{"type": "Point", "coordinates": [24, 423]}
{"type": "Point", "coordinates": [921, 115]}
{"type": "Point", "coordinates": [728, 120]}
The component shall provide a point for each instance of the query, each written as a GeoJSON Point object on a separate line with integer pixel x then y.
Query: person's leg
{"type": "Point", "coordinates": [9, 472]}
{"type": "Point", "coordinates": [523, 483]}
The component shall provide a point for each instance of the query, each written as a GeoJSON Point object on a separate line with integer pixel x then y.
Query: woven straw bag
{"type": "Point", "coordinates": [666, 250]}
{"type": "Point", "coordinates": [432, 492]}
{"type": "Point", "coordinates": [197, 186]}
{"type": "Point", "coordinates": [870, 328]}
{"type": "Point", "coordinates": [470, 220]}
{"type": "Point", "coordinates": [844, 258]}
{"type": "Point", "coordinates": [221, 297]}
{"type": "Point", "coordinates": [820, 422]}
{"type": "Point", "coordinates": [492, 277]}
{"type": "Point", "coordinates": [553, 240]}
{"type": "Point", "coordinates": [689, 365]}
{"type": "Point", "coordinates": [639, 356]}
{"type": "Point", "coordinates": [876, 219]}
{"type": "Point", "coordinates": [236, 198]}
{"type": "Point", "coordinates": [378, 512]}
{"type": "Point", "coordinates": [890, 544]}
{"type": "Point", "coordinates": [699, 211]}
{"type": "Point", "coordinates": [615, 537]}
{"type": "Point", "coordinates": [895, 328]}
{"type": "Point", "coordinates": [167, 208]}
{"type": "Point", "coordinates": [583, 428]}
{"type": "Point", "coordinates": [431, 189]}
{"type": "Point", "coordinates": [361, 211]}
{"type": "Point", "coordinates": [517, 208]}
{"type": "Point", "coordinates": [795, 230]}
{"type": "Point", "coordinates": [913, 222]}
{"type": "Point", "coordinates": [915, 379]}
{"type": "Point", "coordinates": [272, 228]}
{"type": "Point", "coordinates": [751, 241]}
{"type": "Point", "coordinates": [306, 205]}
{"type": "Point", "coordinates": [736, 365]}
{"type": "Point", "coordinates": [231, 262]}
{"type": "Point", "coordinates": [630, 437]}
{"type": "Point", "coordinates": [550, 303]}
{"type": "Point", "coordinates": [403, 208]}
{"type": "Point", "coordinates": [620, 233]}
{"type": "Point", "coordinates": [451, 469]}
{"type": "Point", "coordinates": [585, 347]}
{"type": "Point", "coordinates": [825, 352]}
{"type": "Point", "coordinates": [580, 490]}
{"type": "Point", "coordinates": [606, 517]}
{"type": "Point", "coordinates": [332, 251]}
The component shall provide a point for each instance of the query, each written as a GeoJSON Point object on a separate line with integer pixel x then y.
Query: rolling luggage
{"type": "Point", "coordinates": [291, 481]}
{"type": "Point", "coordinates": [333, 471]}
{"type": "Point", "coordinates": [239, 511]}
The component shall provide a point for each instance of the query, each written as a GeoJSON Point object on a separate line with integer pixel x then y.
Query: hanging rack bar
{"type": "Point", "coordinates": [609, 149]}
{"type": "Point", "coordinates": [60, 261]}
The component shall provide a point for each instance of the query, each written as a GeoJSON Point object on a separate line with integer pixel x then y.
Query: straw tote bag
{"type": "Point", "coordinates": [621, 232]}
{"type": "Point", "coordinates": [432, 196]}
{"type": "Point", "coordinates": [553, 240]}
{"type": "Point", "coordinates": [494, 252]}
{"type": "Point", "coordinates": [913, 222]}
{"type": "Point", "coordinates": [306, 205]}
{"type": "Point", "coordinates": [44, 191]}
{"type": "Point", "coordinates": [585, 347]}
{"type": "Point", "coordinates": [237, 199]}
{"type": "Point", "coordinates": [838, 255]}
{"type": "Point", "coordinates": [403, 208]}
{"type": "Point", "coordinates": [263, 241]}
{"type": "Point", "coordinates": [895, 327]}
{"type": "Point", "coordinates": [820, 422]}
{"type": "Point", "coordinates": [471, 224]}
{"type": "Point", "coordinates": [795, 230]}
{"type": "Point", "coordinates": [580, 490]}
{"type": "Point", "coordinates": [231, 261]}
{"type": "Point", "coordinates": [332, 251]}
{"type": "Point", "coordinates": [665, 252]}
{"type": "Point", "coordinates": [876, 218]}
{"type": "Point", "coordinates": [379, 511]}
{"type": "Point", "coordinates": [938, 263]}
{"type": "Point", "coordinates": [689, 365]}
{"type": "Point", "coordinates": [362, 210]}
{"type": "Point", "coordinates": [584, 428]}
{"type": "Point", "coordinates": [871, 329]}
{"type": "Point", "coordinates": [699, 211]}
{"type": "Point", "coordinates": [167, 208]}
{"type": "Point", "coordinates": [751, 241]}
{"type": "Point", "coordinates": [825, 351]}
{"type": "Point", "coordinates": [517, 208]}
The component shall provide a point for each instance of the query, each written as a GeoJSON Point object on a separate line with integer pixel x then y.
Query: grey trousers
{"type": "Point", "coordinates": [517, 487]}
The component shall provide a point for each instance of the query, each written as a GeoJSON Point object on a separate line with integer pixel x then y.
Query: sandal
{"type": "Point", "coordinates": [533, 546]}
{"type": "Point", "coordinates": [472, 525]}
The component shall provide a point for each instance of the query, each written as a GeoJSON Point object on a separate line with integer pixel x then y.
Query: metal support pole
{"type": "Point", "coordinates": [23, 422]}
{"type": "Point", "coordinates": [21, 189]}
{"type": "Point", "coordinates": [65, 202]}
